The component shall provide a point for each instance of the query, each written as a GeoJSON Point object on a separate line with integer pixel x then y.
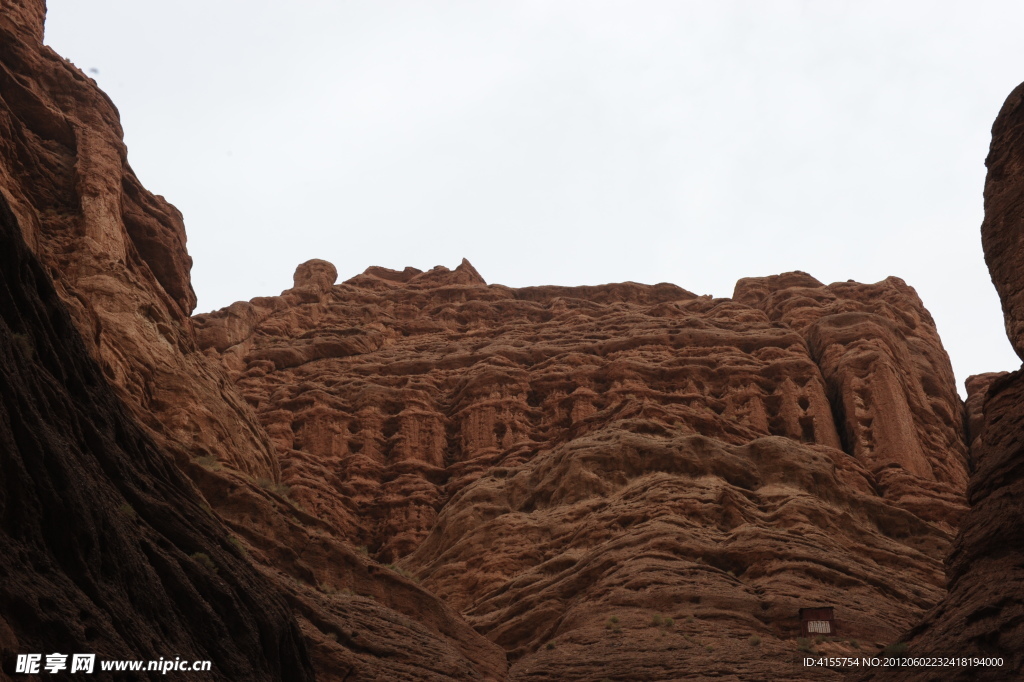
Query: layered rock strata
{"type": "Point", "coordinates": [888, 379]}
{"type": "Point", "coordinates": [620, 481]}
{"type": "Point", "coordinates": [115, 251]}
{"type": "Point", "coordinates": [983, 613]}
{"type": "Point", "coordinates": [569, 465]}
{"type": "Point", "coordinates": [105, 547]}
{"type": "Point", "coordinates": [116, 256]}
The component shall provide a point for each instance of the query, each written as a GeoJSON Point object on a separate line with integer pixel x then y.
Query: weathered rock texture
{"type": "Point", "coordinates": [1001, 231]}
{"type": "Point", "coordinates": [566, 466]}
{"type": "Point", "coordinates": [116, 252]}
{"type": "Point", "coordinates": [983, 614]}
{"type": "Point", "coordinates": [105, 546]}
{"type": "Point", "coordinates": [621, 481]}
{"type": "Point", "coordinates": [361, 620]}
{"type": "Point", "coordinates": [889, 381]}
{"type": "Point", "coordinates": [117, 258]}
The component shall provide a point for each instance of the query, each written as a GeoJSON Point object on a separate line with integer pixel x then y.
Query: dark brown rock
{"type": "Point", "coordinates": [1002, 231]}
{"type": "Point", "coordinates": [104, 546]}
{"type": "Point", "coordinates": [115, 251]}
{"type": "Point", "coordinates": [983, 613]}
{"type": "Point", "coordinates": [117, 257]}
{"type": "Point", "coordinates": [977, 392]}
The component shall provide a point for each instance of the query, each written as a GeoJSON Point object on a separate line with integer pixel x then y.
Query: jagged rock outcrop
{"type": "Point", "coordinates": [888, 377]}
{"type": "Point", "coordinates": [549, 458]}
{"type": "Point", "coordinates": [105, 547]}
{"type": "Point", "coordinates": [983, 613]}
{"type": "Point", "coordinates": [115, 251]}
{"type": "Point", "coordinates": [621, 481]}
{"type": "Point", "coordinates": [1004, 202]}
{"type": "Point", "coordinates": [116, 256]}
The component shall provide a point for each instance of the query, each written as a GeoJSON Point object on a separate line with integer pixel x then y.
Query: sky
{"type": "Point", "coordinates": [565, 142]}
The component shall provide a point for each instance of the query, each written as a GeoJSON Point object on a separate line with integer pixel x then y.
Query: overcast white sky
{"type": "Point", "coordinates": [559, 142]}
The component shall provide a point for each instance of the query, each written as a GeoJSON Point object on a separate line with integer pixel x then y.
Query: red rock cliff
{"type": "Point", "coordinates": [621, 481]}
{"type": "Point", "coordinates": [116, 255]}
{"type": "Point", "coordinates": [115, 251]}
{"type": "Point", "coordinates": [568, 466]}
{"type": "Point", "coordinates": [105, 547]}
{"type": "Point", "coordinates": [983, 614]}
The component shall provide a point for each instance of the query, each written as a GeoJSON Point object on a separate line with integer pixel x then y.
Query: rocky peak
{"type": "Point", "coordinates": [438, 276]}
{"type": "Point", "coordinates": [315, 273]}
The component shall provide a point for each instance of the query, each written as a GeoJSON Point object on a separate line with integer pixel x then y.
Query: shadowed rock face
{"type": "Point", "coordinates": [550, 458]}
{"type": "Point", "coordinates": [115, 251]}
{"type": "Point", "coordinates": [983, 614]}
{"type": "Point", "coordinates": [116, 256]}
{"type": "Point", "coordinates": [1004, 202]}
{"type": "Point", "coordinates": [105, 546]}
{"type": "Point", "coordinates": [621, 481]}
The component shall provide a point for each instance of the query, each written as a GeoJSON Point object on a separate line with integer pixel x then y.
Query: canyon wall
{"type": "Point", "coordinates": [115, 252]}
{"type": "Point", "coordinates": [568, 466]}
{"type": "Point", "coordinates": [983, 614]}
{"type": "Point", "coordinates": [417, 475]}
{"type": "Point", "coordinates": [116, 258]}
{"type": "Point", "coordinates": [105, 547]}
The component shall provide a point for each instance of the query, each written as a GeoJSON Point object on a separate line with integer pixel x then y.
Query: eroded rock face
{"type": "Point", "coordinates": [115, 251]}
{"type": "Point", "coordinates": [628, 481]}
{"type": "Point", "coordinates": [105, 546]}
{"type": "Point", "coordinates": [1004, 202]}
{"type": "Point", "coordinates": [116, 255]}
{"type": "Point", "coordinates": [983, 614]}
{"type": "Point", "coordinates": [888, 378]}
{"type": "Point", "coordinates": [550, 458]}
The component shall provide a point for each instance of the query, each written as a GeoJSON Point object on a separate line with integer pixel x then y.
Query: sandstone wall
{"type": "Point", "coordinates": [550, 458]}
{"type": "Point", "coordinates": [983, 614]}
{"type": "Point", "coordinates": [116, 256]}
{"type": "Point", "coordinates": [575, 482]}
{"type": "Point", "coordinates": [115, 251]}
{"type": "Point", "coordinates": [105, 547]}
